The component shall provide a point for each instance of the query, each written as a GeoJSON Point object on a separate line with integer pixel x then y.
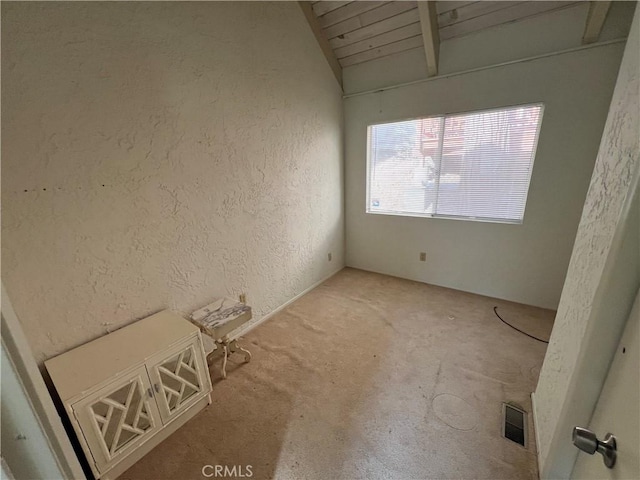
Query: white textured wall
{"type": "Point", "coordinates": [161, 154]}
{"type": "Point", "coordinates": [524, 263]}
{"type": "Point", "coordinates": [602, 280]}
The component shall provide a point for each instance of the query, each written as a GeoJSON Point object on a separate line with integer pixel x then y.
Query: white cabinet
{"type": "Point", "coordinates": [115, 419]}
{"type": "Point", "coordinates": [179, 378]}
{"type": "Point", "coordinates": [129, 390]}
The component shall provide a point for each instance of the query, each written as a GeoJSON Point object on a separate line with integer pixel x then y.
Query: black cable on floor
{"type": "Point", "coordinates": [495, 310]}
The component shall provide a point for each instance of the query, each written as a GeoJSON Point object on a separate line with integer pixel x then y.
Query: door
{"type": "Point", "coordinates": [118, 417]}
{"type": "Point", "coordinates": [179, 378]}
{"type": "Point", "coordinates": [618, 410]}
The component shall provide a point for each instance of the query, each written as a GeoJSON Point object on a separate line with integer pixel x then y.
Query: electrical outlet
{"type": "Point", "coordinates": [329, 256]}
{"type": "Point", "coordinates": [423, 256]}
{"type": "Point", "coordinates": [243, 298]}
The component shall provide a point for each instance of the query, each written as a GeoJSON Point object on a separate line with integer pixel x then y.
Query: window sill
{"type": "Point", "coordinates": [445, 217]}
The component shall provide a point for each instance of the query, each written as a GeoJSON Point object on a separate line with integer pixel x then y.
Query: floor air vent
{"type": "Point", "coordinates": [514, 424]}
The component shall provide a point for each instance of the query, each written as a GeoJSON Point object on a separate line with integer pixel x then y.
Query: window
{"type": "Point", "coordinates": [474, 166]}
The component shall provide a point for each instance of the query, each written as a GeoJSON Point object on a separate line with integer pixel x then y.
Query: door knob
{"type": "Point", "coordinates": [587, 441]}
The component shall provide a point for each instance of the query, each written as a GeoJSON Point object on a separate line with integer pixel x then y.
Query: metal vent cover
{"type": "Point", "coordinates": [514, 424]}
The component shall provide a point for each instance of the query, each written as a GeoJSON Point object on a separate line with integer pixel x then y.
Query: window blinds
{"type": "Point", "coordinates": [472, 165]}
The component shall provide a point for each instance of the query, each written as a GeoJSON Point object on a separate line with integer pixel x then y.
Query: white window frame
{"type": "Point", "coordinates": [452, 217]}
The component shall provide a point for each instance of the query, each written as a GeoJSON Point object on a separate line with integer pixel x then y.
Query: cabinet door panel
{"type": "Point", "coordinates": [117, 418]}
{"type": "Point", "coordinates": [179, 379]}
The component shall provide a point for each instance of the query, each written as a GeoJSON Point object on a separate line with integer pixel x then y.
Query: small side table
{"type": "Point", "coordinates": [218, 320]}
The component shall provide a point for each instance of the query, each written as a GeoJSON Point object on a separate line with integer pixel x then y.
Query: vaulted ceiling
{"type": "Point", "coordinates": [354, 32]}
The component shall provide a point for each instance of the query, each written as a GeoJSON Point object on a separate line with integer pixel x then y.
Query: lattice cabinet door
{"type": "Point", "coordinates": [117, 418]}
{"type": "Point", "coordinates": [180, 378]}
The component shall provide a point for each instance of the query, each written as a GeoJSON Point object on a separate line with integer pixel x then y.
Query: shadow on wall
{"type": "Point", "coordinates": [144, 168]}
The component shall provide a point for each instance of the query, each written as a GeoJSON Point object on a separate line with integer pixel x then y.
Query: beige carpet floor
{"type": "Point", "coordinates": [369, 377]}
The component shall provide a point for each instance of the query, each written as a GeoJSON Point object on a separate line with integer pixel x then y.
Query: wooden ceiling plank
{"type": "Point", "coordinates": [595, 20]}
{"type": "Point", "coordinates": [372, 16]}
{"type": "Point", "coordinates": [443, 7]}
{"type": "Point", "coordinates": [326, 6]}
{"type": "Point", "coordinates": [507, 15]}
{"type": "Point", "coordinates": [397, 47]}
{"type": "Point", "coordinates": [430, 35]}
{"type": "Point", "coordinates": [380, 40]}
{"type": "Point", "coordinates": [472, 11]}
{"type": "Point", "coordinates": [312, 20]}
{"type": "Point", "coordinates": [348, 11]}
{"type": "Point", "coordinates": [377, 28]}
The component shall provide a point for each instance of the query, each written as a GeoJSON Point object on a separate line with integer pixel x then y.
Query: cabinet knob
{"type": "Point", "coordinates": [156, 387]}
{"type": "Point", "coordinates": [149, 392]}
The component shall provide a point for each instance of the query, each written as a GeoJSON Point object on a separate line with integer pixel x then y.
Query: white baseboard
{"type": "Point", "coordinates": [254, 323]}
{"type": "Point", "coordinates": [535, 430]}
